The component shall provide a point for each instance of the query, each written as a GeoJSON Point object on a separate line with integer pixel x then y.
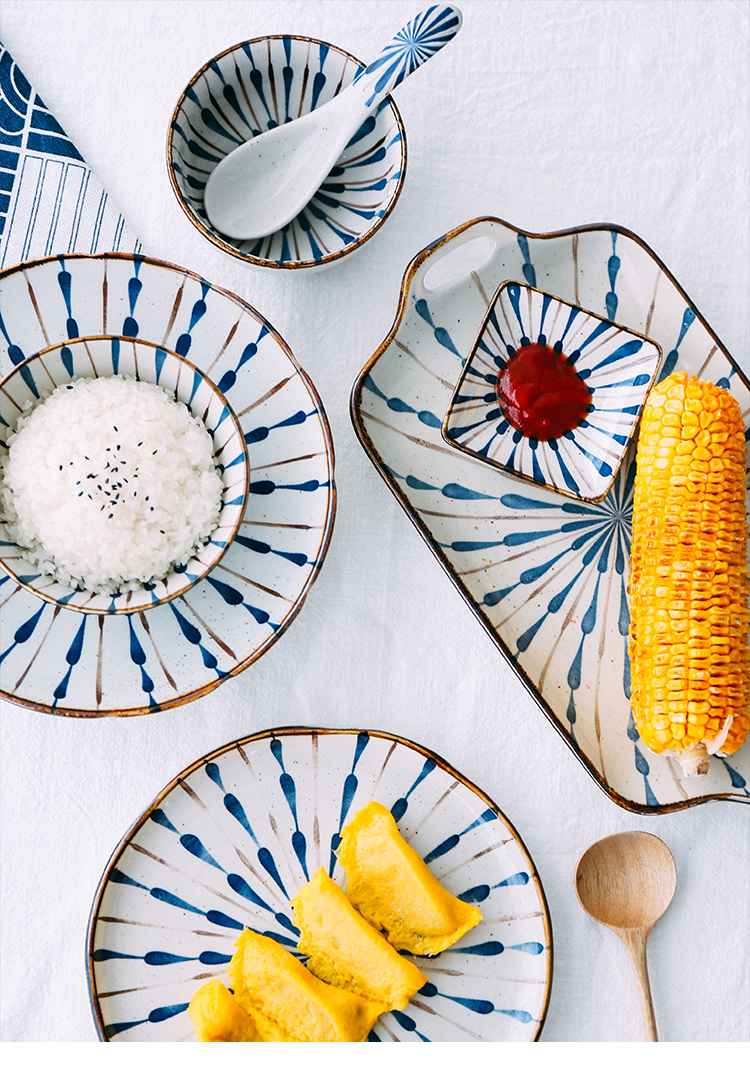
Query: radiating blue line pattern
{"type": "Point", "coordinates": [162, 655]}
{"type": "Point", "coordinates": [105, 357]}
{"type": "Point", "coordinates": [546, 574]}
{"type": "Point", "coordinates": [221, 851]}
{"type": "Point", "coordinates": [256, 86]}
{"type": "Point", "coordinates": [617, 367]}
{"type": "Point", "coordinates": [49, 199]}
{"type": "Point", "coordinates": [416, 43]}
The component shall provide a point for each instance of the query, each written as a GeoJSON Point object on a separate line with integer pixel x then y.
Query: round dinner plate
{"type": "Point", "coordinates": [232, 838]}
{"type": "Point", "coordinates": [67, 662]}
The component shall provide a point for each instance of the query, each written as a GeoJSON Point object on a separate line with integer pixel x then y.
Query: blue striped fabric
{"type": "Point", "coordinates": [50, 202]}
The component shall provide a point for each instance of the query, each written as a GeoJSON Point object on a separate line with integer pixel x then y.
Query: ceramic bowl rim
{"type": "Point", "coordinates": [303, 730]}
{"type": "Point", "coordinates": [215, 391]}
{"type": "Point", "coordinates": [119, 258]}
{"type": "Point", "coordinates": [623, 450]}
{"type": "Point", "coordinates": [266, 263]}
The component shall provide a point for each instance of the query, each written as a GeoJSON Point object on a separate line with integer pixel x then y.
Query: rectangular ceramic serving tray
{"type": "Point", "coordinates": [545, 575]}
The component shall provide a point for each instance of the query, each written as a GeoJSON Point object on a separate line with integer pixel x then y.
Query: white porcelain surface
{"type": "Point", "coordinates": [69, 662]}
{"type": "Point", "coordinates": [103, 357]}
{"type": "Point", "coordinates": [545, 575]}
{"type": "Point", "coordinates": [262, 185]}
{"type": "Point", "coordinates": [256, 86]}
{"type": "Point", "coordinates": [232, 839]}
{"type": "Point", "coordinates": [617, 367]}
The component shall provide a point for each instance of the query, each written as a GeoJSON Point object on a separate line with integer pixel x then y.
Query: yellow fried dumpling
{"type": "Point", "coordinates": [267, 978]}
{"type": "Point", "coordinates": [392, 887]}
{"type": "Point", "coordinates": [347, 951]}
{"type": "Point", "coordinates": [218, 1018]}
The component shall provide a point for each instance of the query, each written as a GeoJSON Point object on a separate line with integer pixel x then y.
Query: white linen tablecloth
{"type": "Point", "coordinates": [549, 114]}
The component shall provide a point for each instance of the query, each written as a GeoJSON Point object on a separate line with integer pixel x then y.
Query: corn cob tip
{"type": "Point", "coordinates": [694, 761]}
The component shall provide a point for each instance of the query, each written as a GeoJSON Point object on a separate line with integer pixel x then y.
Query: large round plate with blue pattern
{"type": "Point", "coordinates": [546, 575]}
{"type": "Point", "coordinates": [231, 840]}
{"type": "Point", "coordinates": [67, 662]}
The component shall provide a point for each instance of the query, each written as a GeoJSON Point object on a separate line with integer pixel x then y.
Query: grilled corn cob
{"type": "Point", "coordinates": [688, 587]}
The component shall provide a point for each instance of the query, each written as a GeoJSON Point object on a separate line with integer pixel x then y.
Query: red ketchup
{"type": "Point", "coordinates": [541, 394]}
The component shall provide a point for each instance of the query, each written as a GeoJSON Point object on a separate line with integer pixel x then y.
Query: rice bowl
{"type": "Point", "coordinates": [123, 474]}
{"type": "Point", "coordinates": [117, 462]}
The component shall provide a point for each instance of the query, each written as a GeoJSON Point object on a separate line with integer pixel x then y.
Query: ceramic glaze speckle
{"type": "Point", "coordinates": [253, 88]}
{"type": "Point", "coordinates": [617, 367]}
{"type": "Point", "coordinates": [233, 838]}
{"type": "Point", "coordinates": [545, 575]}
{"type": "Point", "coordinates": [65, 661]}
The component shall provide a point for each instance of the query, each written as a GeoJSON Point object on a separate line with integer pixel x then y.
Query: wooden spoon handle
{"type": "Point", "coordinates": [635, 940]}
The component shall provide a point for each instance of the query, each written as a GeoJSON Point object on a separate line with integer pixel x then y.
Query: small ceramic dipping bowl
{"type": "Point", "coordinates": [256, 86]}
{"type": "Point", "coordinates": [587, 379]}
{"type": "Point", "coordinates": [98, 357]}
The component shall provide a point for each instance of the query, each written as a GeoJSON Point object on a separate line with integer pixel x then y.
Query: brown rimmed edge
{"type": "Point", "coordinates": [204, 690]}
{"type": "Point", "coordinates": [293, 731]}
{"type": "Point", "coordinates": [144, 607]}
{"type": "Point", "coordinates": [252, 259]}
{"type": "Point", "coordinates": [364, 438]}
{"type": "Point", "coordinates": [516, 474]}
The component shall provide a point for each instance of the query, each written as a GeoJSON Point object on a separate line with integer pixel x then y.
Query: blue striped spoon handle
{"type": "Point", "coordinates": [412, 46]}
{"type": "Point", "coordinates": [262, 185]}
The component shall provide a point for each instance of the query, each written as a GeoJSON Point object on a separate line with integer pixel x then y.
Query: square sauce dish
{"type": "Point", "coordinates": [551, 393]}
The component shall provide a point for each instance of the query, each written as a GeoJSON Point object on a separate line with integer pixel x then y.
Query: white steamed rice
{"type": "Point", "coordinates": [109, 483]}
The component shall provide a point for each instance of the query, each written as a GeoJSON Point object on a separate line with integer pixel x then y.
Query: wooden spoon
{"type": "Point", "coordinates": [626, 882]}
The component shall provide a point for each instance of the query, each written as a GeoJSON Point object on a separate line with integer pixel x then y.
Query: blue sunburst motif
{"type": "Point", "coordinates": [616, 366]}
{"type": "Point", "coordinates": [272, 807]}
{"type": "Point", "coordinates": [546, 574]}
{"type": "Point", "coordinates": [411, 47]}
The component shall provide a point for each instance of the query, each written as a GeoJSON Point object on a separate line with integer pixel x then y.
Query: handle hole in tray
{"type": "Point", "coordinates": [458, 263]}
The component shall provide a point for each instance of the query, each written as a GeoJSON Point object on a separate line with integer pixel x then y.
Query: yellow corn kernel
{"type": "Point", "coordinates": [688, 587]}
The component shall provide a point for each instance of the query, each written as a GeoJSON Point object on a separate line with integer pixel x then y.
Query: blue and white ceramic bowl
{"type": "Point", "coordinates": [233, 837]}
{"type": "Point", "coordinates": [64, 661]}
{"type": "Point", "coordinates": [616, 365]}
{"type": "Point", "coordinates": [35, 378]}
{"type": "Point", "coordinates": [256, 86]}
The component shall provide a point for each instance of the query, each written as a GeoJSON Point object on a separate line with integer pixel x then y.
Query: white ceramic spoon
{"type": "Point", "coordinates": [263, 184]}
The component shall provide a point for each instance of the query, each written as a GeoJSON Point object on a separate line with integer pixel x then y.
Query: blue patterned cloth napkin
{"type": "Point", "coordinates": [50, 201]}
